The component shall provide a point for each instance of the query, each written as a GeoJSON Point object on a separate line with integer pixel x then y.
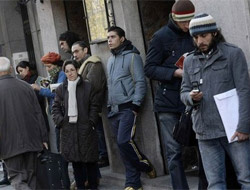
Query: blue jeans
{"type": "Point", "coordinates": [213, 158]}
{"type": "Point", "coordinates": [123, 126]}
{"type": "Point", "coordinates": [173, 150]}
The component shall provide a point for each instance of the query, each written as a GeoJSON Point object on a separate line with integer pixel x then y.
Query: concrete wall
{"type": "Point", "coordinates": [11, 29]}
{"type": "Point", "coordinates": [232, 16]}
{"type": "Point", "coordinates": [60, 21]}
{"type": "Point", "coordinates": [47, 22]}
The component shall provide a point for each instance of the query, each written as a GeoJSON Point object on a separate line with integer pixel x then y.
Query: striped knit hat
{"type": "Point", "coordinates": [202, 23]}
{"type": "Point", "coordinates": [183, 10]}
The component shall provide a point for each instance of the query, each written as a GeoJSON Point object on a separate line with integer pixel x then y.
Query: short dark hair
{"type": "Point", "coordinates": [69, 37]}
{"type": "Point", "coordinates": [70, 62]}
{"type": "Point", "coordinates": [23, 64]}
{"type": "Point", "coordinates": [81, 44]}
{"type": "Point", "coordinates": [120, 32]}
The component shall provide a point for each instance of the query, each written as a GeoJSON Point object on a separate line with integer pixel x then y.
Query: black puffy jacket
{"type": "Point", "coordinates": [166, 47]}
{"type": "Point", "coordinates": [79, 141]}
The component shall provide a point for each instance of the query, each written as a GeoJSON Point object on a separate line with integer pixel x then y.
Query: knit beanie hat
{"type": "Point", "coordinates": [183, 10]}
{"type": "Point", "coordinates": [52, 58]}
{"type": "Point", "coordinates": [202, 23]}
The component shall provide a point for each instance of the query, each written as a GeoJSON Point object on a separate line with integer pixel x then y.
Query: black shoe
{"type": "Point", "coordinates": [4, 181]}
{"type": "Point", "coordinates": [103, 162]}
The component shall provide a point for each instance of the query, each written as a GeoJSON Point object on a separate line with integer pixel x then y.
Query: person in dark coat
{"type": "Point", "coordinates": [167, 45]}
{"type": "Point", "coordinates": [29, 75]}
{"type": "Point", "coordinates": [22, 128]}
{"type": "Point", "coordinates": [75, 109]}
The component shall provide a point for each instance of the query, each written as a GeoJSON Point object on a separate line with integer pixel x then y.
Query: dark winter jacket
{"type": "Point", "coordinates": [126, 80]}
{"type": "Point", "coordinates": [22, 127]}
{"type": "Point", "coordinates": [92, 70]}
{"type": "Point", "coordinates": [166, 47]}
{"type": "Point", "coordinates": [41, 99]}
{"type": "Point", "coordinates": [78, 141]}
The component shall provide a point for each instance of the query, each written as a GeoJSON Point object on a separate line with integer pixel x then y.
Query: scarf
{"type": "Point", "coordinates": [72, 101]}
{"type": "Point", "coordinates": [27, 77]}
{"type": "Point", "coordinates": [53, 73]}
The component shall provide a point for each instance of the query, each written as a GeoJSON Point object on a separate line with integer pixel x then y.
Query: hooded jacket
{"type": "Point", "coordinates": [166, 47]}
{"type": "Point", "coordinates": [126, 80]}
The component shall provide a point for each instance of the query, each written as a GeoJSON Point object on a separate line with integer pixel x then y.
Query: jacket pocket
{"type": "Point", "coordinates": [195, 74]}
{"type": "Point", "coordinates": [124, 89]}
{"type": "Point", "coordinates": [220, 72]}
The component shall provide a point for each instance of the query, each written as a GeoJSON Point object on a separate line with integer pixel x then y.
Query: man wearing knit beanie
{"type": "Point", "coordinates": [166, 47]}
{"type": "Point", "coordinates": [218, 67]}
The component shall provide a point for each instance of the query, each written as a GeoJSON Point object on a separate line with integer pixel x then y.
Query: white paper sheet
{"type": "Point", "coordinates": [228, 106]}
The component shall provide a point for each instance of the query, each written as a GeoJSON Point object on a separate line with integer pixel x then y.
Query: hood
{"type": "Point", "coordinates": [125, 48]}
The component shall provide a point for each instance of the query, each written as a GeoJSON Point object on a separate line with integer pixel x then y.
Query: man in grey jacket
{"type": "Point", "coordinates": [22, 128]}
{"type": "Point", "coordinates": [217, 67]}
{"type": "Point", "coordinates": [126, 89]}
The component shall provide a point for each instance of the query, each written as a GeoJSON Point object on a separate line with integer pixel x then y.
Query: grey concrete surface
{"type": "Point", "coordinates": [115, 181]}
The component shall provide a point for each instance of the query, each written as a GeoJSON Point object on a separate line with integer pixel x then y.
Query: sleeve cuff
{"type": "Point", "coordinates": [135, 108]}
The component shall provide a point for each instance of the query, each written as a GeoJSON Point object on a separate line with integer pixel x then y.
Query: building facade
{"type": "Point", "coordinates": [30, 28]}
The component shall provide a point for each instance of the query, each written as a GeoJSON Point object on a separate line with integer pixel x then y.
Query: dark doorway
{"type": "Point", "coordinates": [76, 18]}
{"type": "Point", "coordinates": [27, 34]}
{"type": "Point", "coordinates": [154, 14]}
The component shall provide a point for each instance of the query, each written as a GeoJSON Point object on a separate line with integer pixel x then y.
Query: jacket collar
{"type": "Point", "coordinates": [216, 54]}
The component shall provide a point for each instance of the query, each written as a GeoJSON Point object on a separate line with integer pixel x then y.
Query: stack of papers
{"type": "Point", "coordinates": [228, 106]}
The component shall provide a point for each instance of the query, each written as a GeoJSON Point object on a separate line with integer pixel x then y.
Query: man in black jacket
{"type": "Point", "coordinates": [166, 47]}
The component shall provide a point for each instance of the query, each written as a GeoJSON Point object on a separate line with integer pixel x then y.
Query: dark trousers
{"type": "Point", "coordinates": [22, 170]}
{"type": "Point", "coordinates": [123, 125]}
{"type": "Point", "coordinates": [101, 139]}
{"type": "Point", "coordinates": [91, 174]}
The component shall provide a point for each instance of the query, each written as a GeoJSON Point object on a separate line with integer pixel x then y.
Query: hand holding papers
{"type": "Point", "coordinates": [54, 86]}
{"type": "Point", "coordinates": [228, 106]}
{"type": "Point", "coordinates": [43, 82]}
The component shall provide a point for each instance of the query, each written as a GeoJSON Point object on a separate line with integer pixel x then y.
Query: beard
{"type": "Point", "coordinates": [206, 48]}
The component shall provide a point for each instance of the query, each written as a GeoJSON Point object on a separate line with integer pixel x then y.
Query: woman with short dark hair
{"type": "Point", "coordinates": [75, 109]}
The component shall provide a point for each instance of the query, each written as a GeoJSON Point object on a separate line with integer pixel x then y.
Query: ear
{"type": "Point", "coordinates": [214, 34]}
{"type": "Point", "coordinates": [122, 39]}
{"type": "Point", "coordinates": [85, 50]}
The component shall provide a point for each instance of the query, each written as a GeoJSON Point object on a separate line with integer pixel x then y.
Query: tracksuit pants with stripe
{"type": "Point", "coordinates": [123, 126]}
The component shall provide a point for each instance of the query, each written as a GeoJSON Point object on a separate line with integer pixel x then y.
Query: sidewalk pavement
{"type": "Point", "coordinates": [115, 181]}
